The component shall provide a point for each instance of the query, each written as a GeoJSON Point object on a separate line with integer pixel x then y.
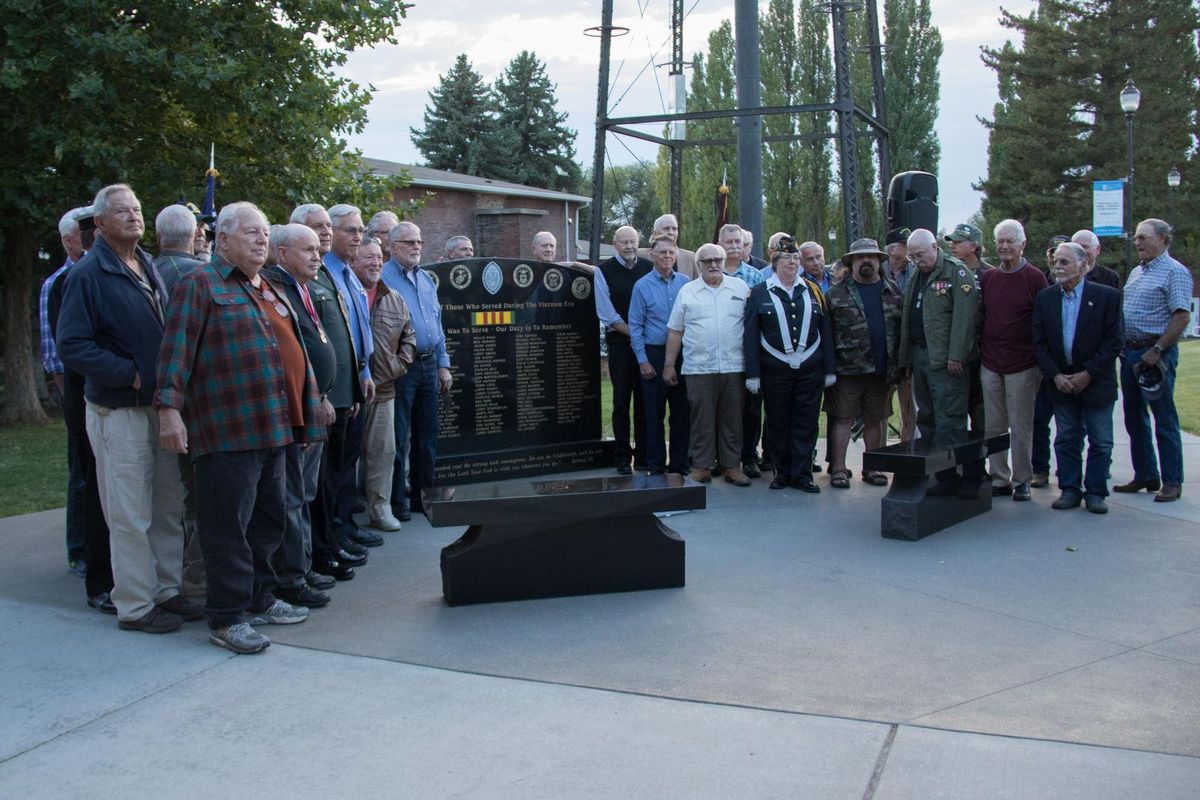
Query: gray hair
{"type": "Point", "coordinates": [658, 222]}
{"type": "Point", "coordinates": [69, 222]}
{"type": "Point", "coordinates": [342, 210]}
{"type": "Point", "coordinates": [300, 213]}
{"type": "Point", "coordinates": [455, 241]}
{"type": "Point", "coordinates": [1079, 253]}
{"type": "Point", "coordinates": [922, 236]}
{"type": "Point", "coordinates": [101, 205]}
{"type": "Point", "coordinates": [540, 234]}
{"type": "Point", "coordinates": [1160, 228]}
{"type": "Point", "coordinates": [232, 214]}
{"type": "Point", "coordinates": [273, 236]}
{"type": "Point", "coordinates": [890, 247]}
{"type": "Point", "coordinates": [747, 237]}
{"type": "Point", "coordinates": [709, 248]}
{"type": "Point", "coordinates": [394, 234]}
{"type": "Point", "coordinates": [730, 228]}
{"type": "Point", "coordinates": [376, 218]}
{"type": "Point", "coordinates": [775, 237]}
{"type": "Point", "coordinates": [810, 245]}
{"type": "Point", "coordinates": [175, 224]}
{"type": "Point", "coordinates": [1009, 225]}
{"type": "Point", "coordinates": [1086, 237]}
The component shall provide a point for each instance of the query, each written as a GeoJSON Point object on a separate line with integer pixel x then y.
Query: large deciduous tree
{"type": "Point", "coordinates": [96, 91]}
{"type": "Point", "coordinates": [912, 85]}
{"type": "Point", "coordinates": [542, 147]}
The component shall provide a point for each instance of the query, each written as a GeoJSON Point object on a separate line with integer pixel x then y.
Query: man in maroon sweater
{"type": "Point", "coordinates": [1010, 374]}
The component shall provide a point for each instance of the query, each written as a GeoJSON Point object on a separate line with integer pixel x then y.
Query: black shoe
{"type": "Point", "coordinates": [366, 538]}
{"type": "Point", "coordinates": [816, 468]}
{"type": "Point", "coordinates": [350, 559]}
{"type": "Point", "coordinates": [751, 470]}
{"type": "Point", "coordinates": [942, 489]}
{"type": "Point", "coordinates": [806, 485]}
{"type": "Point", "coordinates": [353, 548]}
{"type": "Point", "coordinates": [102, 603]}
{"type": "Point", "coordinates": [154, 621]}
{"type": "Point", "coordinates": [1021, 493]}
{"type": "Point", "coordinates": [319, 580]}
{"type": "Point", "coordinates": [1068, 499]}
{"type": "Point", "coordinates": [336, 570]}
{"type": "Point", "coordinates": [624, 469]}
{"type": "Point", "coordinates": [779, 483]}
{"type": "Point", "coordinates": [179, 606]}
{"type": "Point", "coordinates": [360, 505]}
{"type": "Point", "coordinates": [402, 514]}
{"type": "Point", "coordinates": [1001, 491]}
{"type": "Point", "coordinates": [1095, 504]}
{"type": "Point", "coordinates": [302, 595]}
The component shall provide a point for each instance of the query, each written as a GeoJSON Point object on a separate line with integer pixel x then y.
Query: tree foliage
{"type": "Point", "coordinates": [97, 91]}
{"type": "Point", "coordinates": [912, 85]}
{"type": "Point", "coordinates": [629, 199]}
{"type": "Point", "coordinates": [1058, 124]}
{"type": "Point", "coordinates": [461, 132]}
{"type": "Point", "coordinates": [542, 147]}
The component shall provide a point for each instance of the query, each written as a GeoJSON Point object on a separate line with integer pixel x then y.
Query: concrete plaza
{"type": "Point", "coordinates": [1028, 653]}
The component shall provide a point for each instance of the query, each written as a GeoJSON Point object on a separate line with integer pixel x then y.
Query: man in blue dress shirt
{"type": "Point", "coordinates": [416, 392]}
{"type": "Point", "coordinates": [649, 309]}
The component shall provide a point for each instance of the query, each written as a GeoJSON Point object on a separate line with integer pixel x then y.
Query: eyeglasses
{"type": "Point", "coordinates": [409, 242]}
{"type": "Point", "coordinates": [711, 261]}
{"type": "Point", "coordinates": [353, 231]}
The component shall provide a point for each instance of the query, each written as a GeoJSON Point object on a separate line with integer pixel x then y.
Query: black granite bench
{"type": "Point", "coordinates": [553, 538]}
{"type": "Point", "coordinates": [906, 512]}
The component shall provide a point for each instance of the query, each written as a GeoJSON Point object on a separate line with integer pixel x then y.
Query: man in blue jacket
{"type": "Point", "coordinates": [109, 330]}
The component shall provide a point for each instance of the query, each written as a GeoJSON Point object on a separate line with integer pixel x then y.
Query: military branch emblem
{"type": "Point", "coordinates": [460, 276]}
{"type": "Point", "coordinates": [437, 283]}
{"type": "Point", "coordinates": [553, 279]}
{"type": "Point", "coordinates": [493, 277]}
{"type": "Point", "coordinates": [581, 288]}
{"type": "Point", "coordinates": [523, 276]}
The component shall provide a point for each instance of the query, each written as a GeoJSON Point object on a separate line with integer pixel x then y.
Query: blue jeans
{"type": "Point", "coordinates": [416, 415]}
{"type": "Point", "coordinates": [656, 397]}
{"type": "Point", "coordinates": [1166, 420]}
{"type": "Point", "coordinates": [1074, 420]}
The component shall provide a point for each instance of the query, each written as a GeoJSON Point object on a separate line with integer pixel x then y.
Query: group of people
{"type": "Point", "coordinates": [705, 342]}
{"type": "Point", "coordinates": [229, 400]}
{"type": "Point", "coordinates": [223, 408]}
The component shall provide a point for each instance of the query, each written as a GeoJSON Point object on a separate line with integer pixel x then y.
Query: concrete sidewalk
{"type": "Point", "coordinates": [807, 657]}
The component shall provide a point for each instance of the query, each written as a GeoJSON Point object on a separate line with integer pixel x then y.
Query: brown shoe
{"type": "Point", "coordinates": [154, 621]}
{"type": "Point", "coordinates": [1040, 480]}
{"type": "Point", "coordinates": [736, 477]}
{"type": "Point", "coordinates": [180, 607]}
{"type": "Point", "coordinates": [1169, 493]}
{"type": "Point", "coordinates": [1136, 486]}
{"type": "Point", "coordinates": [701, 475]}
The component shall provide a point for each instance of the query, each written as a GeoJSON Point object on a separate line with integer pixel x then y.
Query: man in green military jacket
{"type": "Point", "coordinates": [938, 345]}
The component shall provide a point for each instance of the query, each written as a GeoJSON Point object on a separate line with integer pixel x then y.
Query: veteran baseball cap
{"type": "Point", "coordinates": [897, 236]}
{"type": "Point", "coordinates": [963, 232]}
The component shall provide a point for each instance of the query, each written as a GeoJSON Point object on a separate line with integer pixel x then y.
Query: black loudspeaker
{"type": "Point", "coordinates": [912, 202]}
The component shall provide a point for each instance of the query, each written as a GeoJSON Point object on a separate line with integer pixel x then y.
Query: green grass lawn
{"type": "Point", "coordinates": [33, 468]}
{"type": "Point", "coordinates": [1187, 386]}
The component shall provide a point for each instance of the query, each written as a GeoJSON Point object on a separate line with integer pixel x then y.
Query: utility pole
{"type": "Point", "coordinates": [749, 132]}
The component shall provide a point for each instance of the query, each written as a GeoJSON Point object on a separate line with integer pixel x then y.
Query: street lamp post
{"type": "Point", "coordinates": [1173, 179]}
{"type": "Point", "coordinates": [1131, 98]}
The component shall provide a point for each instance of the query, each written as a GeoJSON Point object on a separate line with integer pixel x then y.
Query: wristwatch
{"type": "Point", "coordinates": [1158, 349]}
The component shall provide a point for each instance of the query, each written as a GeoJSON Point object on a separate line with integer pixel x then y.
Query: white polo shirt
{"type": "Point", "coordinates": [712, 320]}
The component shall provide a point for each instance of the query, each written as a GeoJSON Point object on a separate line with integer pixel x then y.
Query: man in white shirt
{"type": "Point", "coordinates": [707, 321]}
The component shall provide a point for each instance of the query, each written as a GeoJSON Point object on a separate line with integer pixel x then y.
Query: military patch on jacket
{"type": "Point", "coordinates": [940, 287]}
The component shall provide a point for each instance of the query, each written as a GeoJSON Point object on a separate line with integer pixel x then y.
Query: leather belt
{"type": "Point", "coordinates": [1149, 342]}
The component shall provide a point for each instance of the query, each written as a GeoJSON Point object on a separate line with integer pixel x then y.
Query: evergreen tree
{"type": "Point", "coordinates": [461, 133]}
{"type": "Point", "coordinates": [912, 85]}
{"type": "Point", "coordinates": [815, 71]}
{"type": "Point", "coordinates": [780, 68]}
{"type": "Point", "coordinates": [542, 147]}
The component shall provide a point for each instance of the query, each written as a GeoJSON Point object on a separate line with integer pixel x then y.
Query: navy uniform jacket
{"type": "Point", "coordinates": [1099, 336]}
{"type": "Point", "coordinates": [762, 323]}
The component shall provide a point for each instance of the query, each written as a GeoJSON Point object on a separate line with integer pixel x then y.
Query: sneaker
{"type": "Point", "coordinates": [1095, 504]}
{"type": "Point", "coordinates": [102, 603]}
{"type": "Point", "coordinates": [303, 596]}
{"type": "Point", "coordinates": [385, 523]}
{"type": "Point", "coordinates": [366, 538]}
{"type": "Point", "coordinates": [77, 567]}
{"type": "Point", "coordinates": [1068, 499]}
{"type": "Point", "coordinates": [319, 581]}
{"type": "Point", "coordinates": [154, 621]}
{"type": "Point", "coordinates": [239, 638]}
{"type": "Point", "coordinates": [182, 608]}
{"type": "Point", "coordinates": [280, 613]}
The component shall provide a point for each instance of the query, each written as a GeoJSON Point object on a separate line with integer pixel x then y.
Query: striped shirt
{"type": "Point", "coordinates": [50, 360]}
{"type": "Point", "coordinates": [1155, 290]}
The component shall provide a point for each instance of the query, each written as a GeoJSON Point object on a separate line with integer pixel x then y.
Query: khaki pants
{"type": "Point", "coordinates": [716, 408]}
{"type": "Point", "coordinates": [1008, 402]}
{"type": "Point", "coordinates": [142, 497]}
{"type": "Point", "coordinates": [379, 454]}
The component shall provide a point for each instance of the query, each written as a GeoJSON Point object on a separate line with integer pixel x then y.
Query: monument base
{"type": "Point", "coordinates": [523, 462]}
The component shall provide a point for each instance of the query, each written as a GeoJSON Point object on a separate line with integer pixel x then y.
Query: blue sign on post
{"type": "Point", "coordinates": [1108, 208]}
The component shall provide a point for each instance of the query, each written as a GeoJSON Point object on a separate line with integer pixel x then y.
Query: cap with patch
{"type": "Point", "coordinates": [897, 236]}
{"type": "Point", "coordinates": [964, 232]}
{"type": "Point", "coordinates": [1055, 241]}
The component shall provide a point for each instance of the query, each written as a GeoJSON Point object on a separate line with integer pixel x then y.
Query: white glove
{"type": "Point", "coordinates": [753, 385]}
{"type": "Point", "coordinates": [830, 380]}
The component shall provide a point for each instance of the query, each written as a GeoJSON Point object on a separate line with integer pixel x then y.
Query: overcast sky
{"type": "Point", "coordinates": [435, 32]}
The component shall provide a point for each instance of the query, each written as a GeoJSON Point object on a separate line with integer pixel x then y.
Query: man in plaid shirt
{"type": "Point", "coordinates": [234, 361]}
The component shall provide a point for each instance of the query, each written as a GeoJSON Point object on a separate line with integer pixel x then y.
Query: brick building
{"type": "Point", "coordinates": [500, 217]}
